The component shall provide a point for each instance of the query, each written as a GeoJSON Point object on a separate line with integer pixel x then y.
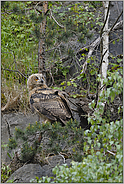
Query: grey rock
{"type": "Point", "coordinates": [26, 173]}
{"type": "Point", "coordinates": [19, 120]}
{"type": "Point", "coordinates": [30, 171]}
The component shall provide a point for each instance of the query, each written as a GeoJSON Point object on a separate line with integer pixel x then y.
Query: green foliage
{"type": "Point", "coordinates": [90, 170]}
{"type": "Point", "coordinates": [5, 173]}
{"type": "Point", "coordinates": [20, 34]}
{"type": "Point", "coordinates": [102, 160]}
{"type": "Point", "coordinates": [18, 50]}
{"type": "Point", "coordinates": [3, 145]}
{"type": "Point", "coordinates": [19, 47]}
{"type": "Point", "coordinates": [70, 23]}
{"type": "Point", "coordinates": [12, 143]}
{"type": "Point", "coordinates": [71, 134]}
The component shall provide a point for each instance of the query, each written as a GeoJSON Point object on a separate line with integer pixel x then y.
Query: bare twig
{"type": "Point", "coordinates": [13, 53]}
{"type": "Point", "coordinates": [51, 77]}
{"type": "Point", "coordinates": [120, 37]}
{"type": "Point", "coordinates": [56, 47]}
{"type": "Point", "coordinates": [37, 4]}
{"type": "Point", "coordinates": [72, 102]}
{"type": "Point", "coordinates": [6, 12]}
{"type": "Point", "coordinates": [56, 20]}
{"type": "Point", "coordinates": [14, 71]}
{"type": "Point", "coordinates": [111, 152]}
{"type": "Point", "coordinates": [8, 127]}
{"type": "Point", "coordinates": [114, 25]}
{"type": "Point", "coordinates": [74, 110]}
{"type": "Point", "coordinates": [97, 42]}
{"type": "Point", "coordinates": [62, 156]}
{"type": "Point", "coordinates": [11, 103]}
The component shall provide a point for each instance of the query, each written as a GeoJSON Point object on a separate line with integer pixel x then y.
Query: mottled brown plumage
{"type": "Point", "coordinates": [49, 103]}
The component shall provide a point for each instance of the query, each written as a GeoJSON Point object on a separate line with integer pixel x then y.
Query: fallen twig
{"type": "Point", "coordinates": [111, 152]}
{"type": "Point", "coordinates": [62, 156]}
{"type": "Point", "coordinates": [8, 127]}
{"type": "Point", "coordinates": [11, 103]}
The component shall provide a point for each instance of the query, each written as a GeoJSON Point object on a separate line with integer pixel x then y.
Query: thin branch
{"type": "Point", "coordinates": [11, 103]}
{"type": "Point", "coordinates": [62, 156]}
{"type": "Point", "coordinates": [97, 41]}
{"type": "Point", "coordinates": [14, 71]}
{"type": "Point", "coordinates": [74, 110]}
{"type": "Point", "coordinates": [120, 37]}
{"type": "Point", "coordinates": [8, 127]}
{"type": "Point", "coordinates": [37, 4]}
{"type": "Point", "coordinates": [111, 152]}
{"type": "Point", "coordinates": [116, 22]}
{"type": "Point", "coordinates": [51, 77]}
{"type": "Point", "coordinates": [102, 87]}
{"type": "Point", "coordinates": [13, 53]}
{"type": "Point", "coordinates": [117, 7]}
{"type": "Point", "coordinates": [56, 47]}
{"type": "Point", "coordinates": [56, 20]}
{"type": "Point", "coordinates": [6, 12]}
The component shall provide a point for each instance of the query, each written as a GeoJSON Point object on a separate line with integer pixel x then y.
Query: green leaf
{"type": "Point", "coordinates": [74, 84]}
{"type": "Point", "coordinates": [9, 155]}
{"type": "Point", "coordinates": [113, 42]}
{"type": "Point", "coordinates": [68, 83]}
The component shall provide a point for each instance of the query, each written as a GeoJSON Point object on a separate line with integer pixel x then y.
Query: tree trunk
{"type": "Point", "coordinates": [105, 62]}
{"type": "Point", "coordinates": [104, 49]}
{"type": "Point", "coordinates": [41, 47]}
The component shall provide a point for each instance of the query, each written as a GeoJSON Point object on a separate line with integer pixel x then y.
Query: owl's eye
{"type": "Point", "coordinates": [36, 78]}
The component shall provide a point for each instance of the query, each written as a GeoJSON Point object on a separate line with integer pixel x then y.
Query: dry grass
{"type": "Point", "coordinates": [14, 96]}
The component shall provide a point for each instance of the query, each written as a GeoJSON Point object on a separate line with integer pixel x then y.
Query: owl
{"type": "Point", "coordinates": [50, 104]}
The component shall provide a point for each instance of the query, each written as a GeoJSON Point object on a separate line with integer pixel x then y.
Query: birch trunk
{"type": "Point", "coordinates": [104, 48]}
{"type": "Point", "coordinates": [105, 62]}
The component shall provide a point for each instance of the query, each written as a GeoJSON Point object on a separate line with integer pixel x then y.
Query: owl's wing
{"type": "Point", "coordinates": [52, 104]}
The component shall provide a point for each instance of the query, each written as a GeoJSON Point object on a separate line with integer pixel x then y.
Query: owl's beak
{"type": "Point", "coordinates": [42, 81]}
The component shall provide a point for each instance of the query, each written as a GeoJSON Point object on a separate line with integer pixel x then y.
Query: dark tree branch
{"type": "Point", "coordinates": [13, 53]}
{"type": "Point", "coordinates": [14, 71]}
{"type": "Point", "coordinates": [116, 22]}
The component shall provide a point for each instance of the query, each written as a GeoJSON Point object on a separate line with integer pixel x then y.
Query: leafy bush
{"type": "Point", "coordinates": [58, 139]}
{"type": "Point", "coordinates": [5, 173]}
{"type": "Point", "coordinates": [102, 159]}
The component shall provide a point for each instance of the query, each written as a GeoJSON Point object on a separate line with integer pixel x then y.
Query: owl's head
{"type": "Point", "coordinates": [36, 80]}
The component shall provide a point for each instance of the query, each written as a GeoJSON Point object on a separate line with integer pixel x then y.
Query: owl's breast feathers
{"type": "Point", "coordinates": [50, 103]}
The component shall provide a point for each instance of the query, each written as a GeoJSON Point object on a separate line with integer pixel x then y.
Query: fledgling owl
{"type": "Point", "coordinates": [50, 104]}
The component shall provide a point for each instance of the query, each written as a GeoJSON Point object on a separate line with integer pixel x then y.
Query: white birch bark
{"type": "Point", "coordinates": [104, 65]}
{"type": "Point", "coordinates": [105, 62]}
